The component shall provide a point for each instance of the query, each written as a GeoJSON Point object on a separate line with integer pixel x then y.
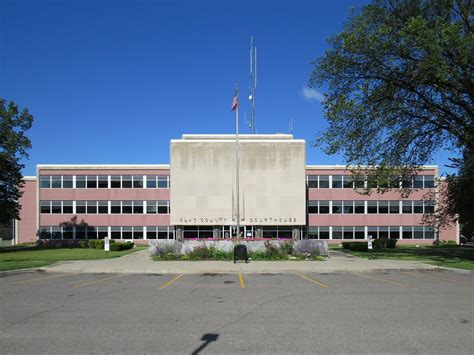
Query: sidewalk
{"type": "Point", "coordinates": [140, 262]}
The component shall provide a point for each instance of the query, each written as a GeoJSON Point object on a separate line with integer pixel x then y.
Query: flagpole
{"type": "Point", "coordinates": [237, 158]}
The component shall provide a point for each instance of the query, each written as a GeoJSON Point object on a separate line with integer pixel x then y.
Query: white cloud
{"type": "Point", "coordinates": [311, 94]}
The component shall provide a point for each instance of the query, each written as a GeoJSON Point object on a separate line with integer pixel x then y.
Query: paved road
{"type": "Point", "coordinates": [376, 312]}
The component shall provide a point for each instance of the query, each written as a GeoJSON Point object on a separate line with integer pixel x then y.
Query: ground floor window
{"type": "Point", "coordinates": [374, 232]}
{"type": "Point", "coordinates": [86, 232]}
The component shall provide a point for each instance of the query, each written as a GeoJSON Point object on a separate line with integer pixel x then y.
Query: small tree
{"type": "Point", "coordinates": [13, 147]}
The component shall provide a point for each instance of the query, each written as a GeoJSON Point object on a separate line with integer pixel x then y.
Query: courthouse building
{"type": "Point", "coordinates": [195, 197]}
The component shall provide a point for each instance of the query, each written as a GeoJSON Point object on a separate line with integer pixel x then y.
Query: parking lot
{"type": "Point", "coordinates": [403, 312]}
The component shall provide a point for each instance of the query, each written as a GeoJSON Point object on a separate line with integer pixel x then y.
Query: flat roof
{"type": "Point", "coordinates": [278, 136]}
{"type": "Point", "coordinates": [102, 166]}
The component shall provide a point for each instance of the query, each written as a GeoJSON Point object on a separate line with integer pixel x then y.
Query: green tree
{"type": "Point", "coordinates": [400, 87]}
{"type": "Point", "coordinates": [13, 147]}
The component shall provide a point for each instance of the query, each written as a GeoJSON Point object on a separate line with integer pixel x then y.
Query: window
{"type": "Point", "coordinates": [312, 181]}
{"type": "Point", "coordinates": [103, 182]}
{"type": "Point", "coordinates": [348, 232]}
{"type": "Point", "coordinates": [371, 206]}
{"type": "Point", "coordinates": [127, 182]}
{"type": "Point", "coordinates": [394, 207]}
{"type": "Point", "coordinates": [418, 182]}
{"type": "Point", "coordinates": [163, 207]}
{"type": "Point", "coordinates": [80, 232]}
{"type": "Point", "coordinates": [45, 206]}
{"type": "Point", "coordinates": [151, 207]}
{"type": "Point", "coordinates": [45, 232]}
{"type": "Point", "coordinates": [383, 232]}
{"type": "Point", "coordinates": [337, 181]}
{"type": "Point", "coordinates": [407, 206]}
{"type": "Point", "coordinates": [270, 232]}
{"type": "Point", "coordinates": [372, 232]}
{"type": "Point", "coordinates": [429, 182]}
{"type": "Point", "coordinates": [67, 182]}
{"type": "Point", "coordinates": [138, 232]}
{"type": "Point", "coordinates": [407, 232]}
{"type": "Point", "coordinates": [91, 232]}
{"type": "Point", "coordinates": [313, 233]}
{"type": "Point", "coordinates": [429, 233]}
{"type": "Point", "coordinates": [115, 182]}
{"type": "Point", "coordinates": [383, 207]}
{"type": "Point", "coordinates": [417, 206]}
{"type": "Point", "coordinates": [127, 232]}
{"type": "Point", "coordinates": [56, 181]}
{"type": "Point", "coordinates": [56, 207]}
{"type": "Point", "coordinates": [359, 233]}
{"type": "Point", "coordinates": [80, 182]}
{"type": "Point", "coordinates": [151, 233]}
{"type": "Point", "coordinates": [80, 207]}
{"type": "Point", "coordinates": [68, 232]}
{"type": "Point", "coordinates": [323, 207]}
{"type": "Point", "coordinates": [115, 207]}
{"type": "Point", "coordinates": [138, 181]}
{"type": "Point", "coordinates": [103, 207]}
{"type": "Point", "coordinates": [418, 232]}
{"type": "Point", "coordinates": [138, 207]}
{"type": "Point", "coordinates": [429, 206]}
{"type": "Point", "coordinates": [359, 207]}
{"type": "Point", "coordinates": [348, 207]}
{"type": "Point", "coordinates": [102, 232]}
{"type": "Point", "coordinates": [45, 182]}
{"type": "Point", "coordinates": [407, 182]}
{"type": "Point", "coordinates": [323, 232]}
{"type": "Point", "coordinates": [347, 184]}
{"type": "Point", "coordinates": [163, 181]}
{"type": "Point", "coordinates": [91, 207]}
{"type": "Point", "coordinates": [91, 181]}
{"type": "Point", "coordinates": [115, 233]}
{"type": "Point", "coordinates": [336, 232]}
{"type": "Point", "coordinates": [312, 207]}
{"type": "Point", "coordinates": [127, 207]}
{"type": "Point", "coordinates": [56, 233]}
{"type": "Point", "coordinates": [151, 183]}
{"type": "Point", "coordinates": [67, 207]}
{"type": "Point", "coordinates": [336, 207]}
{"type": "Point", "coordinates": [394, 232]}
{"type": "Point", "coordinates": [323, 181]}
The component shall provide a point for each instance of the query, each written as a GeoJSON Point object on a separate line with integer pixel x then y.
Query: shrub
{"type": "Point", "coordinates": [287, 248]}
{"type": "Point", "coordinates": [379, 243]}
{"type": "Point", "coordinates": [356, 246]}
{"type": "Point", "coordinates": [121, 246]}
{"type": "Point", "coordinates": [391, 243]}
{"type": "Point", "coordinates": [83, 244]}
{"type": "Point", "coordinates": [273, 252]}
{"type": "Point", "coordinates": [201, 253]}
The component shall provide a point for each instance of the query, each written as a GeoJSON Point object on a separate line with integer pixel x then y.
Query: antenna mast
{"type": "Point", "coordinates": [253, 83]}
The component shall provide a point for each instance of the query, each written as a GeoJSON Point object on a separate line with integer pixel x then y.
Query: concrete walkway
{"type": "Point", "coordinates": [140, 262]}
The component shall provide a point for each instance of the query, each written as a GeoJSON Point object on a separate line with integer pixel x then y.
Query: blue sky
{"type": "Point", "coordinates": [111, 82]}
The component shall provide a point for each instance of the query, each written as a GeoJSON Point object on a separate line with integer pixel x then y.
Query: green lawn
{"type": "Point", "coordinates": [13, 258]}
{"type": "Point", "coordinates": [455, 256]}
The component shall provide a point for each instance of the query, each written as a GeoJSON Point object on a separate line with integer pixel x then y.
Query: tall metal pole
{"type": "Point", "coordinates": [237, 158]}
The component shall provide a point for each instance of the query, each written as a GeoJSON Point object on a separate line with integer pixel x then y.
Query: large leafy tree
{"type": "Point", "coordinates": [14, 145]}
{"type": "Point", "coordinates": [400, 87]}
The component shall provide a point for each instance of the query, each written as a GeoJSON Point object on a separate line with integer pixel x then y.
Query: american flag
{"type": "Point", "coordinates": [235, 101]}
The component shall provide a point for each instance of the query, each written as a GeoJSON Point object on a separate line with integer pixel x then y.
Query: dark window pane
{"type": "Point", "coordinates": [163, 182]}
{"type": "Point", "coordinates": [407, 233]}
{"type": "Point", "coordinates": [67, 182]}
{"type": "Point", "coordinates": [348, 233]}
{"type": "Point", "coordinates": [115, 207]}
{"type": "Point", "coordinates": [407, 183]}
{"type": "Point", "coordinates": [68, 233]}
{"type": "Point", "coordinates": [323, 232]}
{"type": "Point", "coordinates": [92, 207]}
{"type": "Point", "coordinates": [67, 206]}
{"type": "Point", "coordinates": [57, 234]}
{"type": "Point", "coordinates": [312, 207]}
{"type": "Point", "coordinates": [394, 233]}
{"type": "Point", "coordinates": [417, 206]}
{"type": "Point", "coordinates": [56, 207]}
{"type": "Point", "coordinates": [312, 181]}
{"type": "Point", "coordinates": [383, 232]}
{"type": "Point", "coordinates": [312, 233]}
{"type": "Point", "coordinates": [138, 207]}
{"type": "Point", "coordinates": [323, 181]}
{"type": "Point", "coordinates": [103, 181]}
{"type": "Point", "coordinates": [127, 232]}
{"type": "Point", "coordinates": [348, 207]}
{"type": "Point", "coordinates": [383, 206]}
{"type": "Point", "coordinates": [323, 207]}
{"type": "Point", "coordinates": [347, 182]}
{"type": "Point", "coordinates": [137, 232]}
{"type": "Point", "coordinates": [417, 232]}
{"type": "Point", "coordinates": [372, 232]}
{"type": "Point", "coordinates": [371, 206]}
{"type": "Point", "coordinates": [429, 233]}
{"type": "Point", "coordinates": [163, 233]}
{"type": "Point", "coordinates": [102, 232]}
{"type": "Point", "coordinates": [336, 232]}
{"type": "Point", "coordinates": [103, 207]}
{"type": "Point", "coordinates": [45, 206]}
{"type": "Point", "coordinates": [80, 232]}
{"type": "Point", "coordinates": [407, 207]}
{"type": "Point", "coordinates": [151, 207]}
{"type": "Point", "coordinates": [394, 207]}
{"type": "Point", "coordinates": [138, 181]}
{"type": "Point", "coordinates": [91, 181]}
{"type": "Point", "coordinates": [80, 182]}
{"type": "Point", "coordinates": [127, 207]}
{"type": "Point", "coordinates": [359, 207]}
{"type": "Point", "coordinates": [151, 181]}
{"type": "Point", "coordinates": [418, 182]}
{"type": "Point", "coordinates": [429, 182]}
{"type": "Point", "coordinates": [429, 206]}
{"type": "Point", "coordinates": [115, 232]}
{"type": "Point", "coordinates": [45, 182]}
{"type": "Point", "coordinates": [126, 182]}
{"type": "Point", "coordinates": [151, 233]}
{"type": "Point", "coordinates": [336, 207]}
{"type": "Point", "coordinates": [337, 181]}
{"type": "Point", "coordinates": [80, 207]}
{"type": "Point", "coordinates": [56, 181]}
{"type": "Point", "coordinates": [359, 233]}
{"type": "Point", "coordinates": [115, 182]}
{"type": "Point", "coordinates": [162, 208]}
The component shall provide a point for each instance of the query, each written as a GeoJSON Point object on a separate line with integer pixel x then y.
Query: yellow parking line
{"type": "Point", "coordinates": [37, 278]}
{"type": "Point", "coordinates": [320, 284]}
{"type": "Point", "coordinates": [390, 282]}
{"type": "Point", "coordinates": [166, 284]}
{"type": "Point", "coordinates": [99, 280]}
{"type": "Point", "coordinates": [242, 281]}
{"type": "Point", "coordinates": [436, 278]}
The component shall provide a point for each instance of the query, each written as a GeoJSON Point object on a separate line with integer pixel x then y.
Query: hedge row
{"type": "Point", "coordinates": [99, 244]}
{"type": "Point", "coordinates": [376, 244]}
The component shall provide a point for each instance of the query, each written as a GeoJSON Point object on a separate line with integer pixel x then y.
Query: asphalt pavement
{"type": "Point", "coordinates": [219, 313]}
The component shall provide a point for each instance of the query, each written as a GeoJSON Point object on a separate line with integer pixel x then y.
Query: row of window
{"type": "Point", "coordinates": [105, 207]}
{"type": "Point", "coordinates": [370, 207]}
{"type": "Point", "coordinates": [104, 181]}
{"type": "Point", "coordinates": [348, 182]}
{"type": "Point", "coordinates": [387, 232]}
{"type": "Point", "coordinates": [89, 232]}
